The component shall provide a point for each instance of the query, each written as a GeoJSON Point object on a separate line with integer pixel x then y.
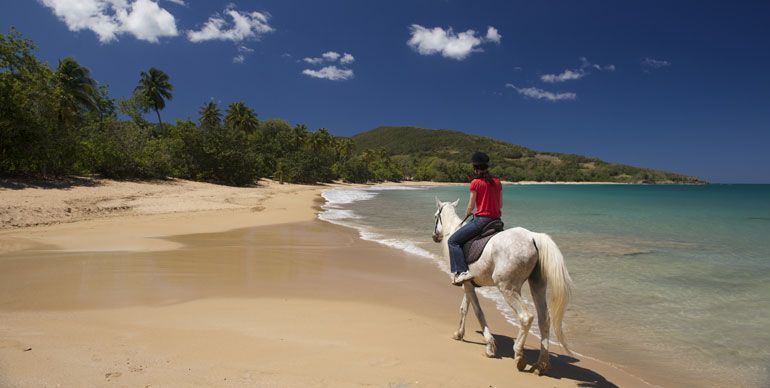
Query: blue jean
{"type": "Point", "coordinates": [460, 237]}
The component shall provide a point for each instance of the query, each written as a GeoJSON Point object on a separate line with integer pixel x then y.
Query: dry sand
{"type": "Point", "coordinates": [106, 302]}
{"type": "Point", "coordinates": [85, 214]}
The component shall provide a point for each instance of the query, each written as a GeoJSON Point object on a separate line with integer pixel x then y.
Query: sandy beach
{"type": "Point", "coordinates": [181, 283]}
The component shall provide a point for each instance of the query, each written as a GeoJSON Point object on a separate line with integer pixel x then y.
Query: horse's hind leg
{"type": "Point", "coordinates": [538, 287]}
{"type": "Point", "coordinates": [460, 333]}
{"type": "Point", "coordinates": [513, 297]}
{"type": "Point", "coordinates": [470, 294]}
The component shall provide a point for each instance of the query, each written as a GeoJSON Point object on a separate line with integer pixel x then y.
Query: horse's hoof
{"type": "Point", "coordinates": [457, 336]}
{"type": "Point", "coordinates": [491, 350]}
{"type": "Point", "coordinates": [521, 363]}
{"type": "Point", "coordinates": [540, 368]}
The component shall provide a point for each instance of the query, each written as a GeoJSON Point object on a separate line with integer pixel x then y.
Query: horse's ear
{"type": "Point", "coordinates": [456, 202]}
{"type": "Point", "coordinates": [438, 203]}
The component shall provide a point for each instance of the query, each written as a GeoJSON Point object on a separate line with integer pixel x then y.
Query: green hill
{"type": "Point", "coordinates": [442, 155]}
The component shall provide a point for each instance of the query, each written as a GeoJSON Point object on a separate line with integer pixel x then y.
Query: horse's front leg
{"type": "Point", "coordinates": [470, 294]}
{"type": "Point", "coordinates": [460, 333]}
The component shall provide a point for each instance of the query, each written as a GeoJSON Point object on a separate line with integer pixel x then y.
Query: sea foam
{"type": "Point", "coordinates": [335, 213]}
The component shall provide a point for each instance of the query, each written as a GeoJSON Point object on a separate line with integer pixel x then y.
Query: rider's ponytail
{"type": "Point", "coordinates": [482, 172]}
{"type": "Point", "coordinates": [480, 163]}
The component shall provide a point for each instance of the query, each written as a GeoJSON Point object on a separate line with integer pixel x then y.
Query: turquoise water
{"type": "Point", "coordinates": [673, 282]}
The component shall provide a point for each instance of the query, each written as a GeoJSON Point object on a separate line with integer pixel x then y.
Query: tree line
{"type": "Point", "coordinates": [60, 121]}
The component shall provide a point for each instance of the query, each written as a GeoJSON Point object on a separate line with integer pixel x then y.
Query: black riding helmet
{"type": "Point", "coordinates": [480, 160]}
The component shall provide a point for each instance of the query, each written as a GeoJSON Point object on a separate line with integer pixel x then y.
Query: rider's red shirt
{"type": "Point", "coordinates": [488, 197]}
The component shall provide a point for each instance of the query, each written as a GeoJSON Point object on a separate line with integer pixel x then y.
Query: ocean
{"type": "Point", "coordinates": [672, 281]}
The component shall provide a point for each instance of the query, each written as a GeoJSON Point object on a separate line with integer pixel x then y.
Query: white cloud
{"type": "Point", "coordinates": [243, 51]}
{"type": "Point", "coordinates": [346, 59]}
{"type": "Point", "coordinates": [244, 25]}
{"type": "Point", "coordinates": [574, 74]}
{"type": "Point", "coordinates": [493, 35]}
{"type": "Point", "coordinates": [144, 19]}
{"type": "Point", "coordinates": [330, 56]}
{"type": "Point", "coordinates": [313, 61]}
{"type": "Point", "coordinates": [540, 94]}
{"type": "Point", "coordinates": [147, 21]}
{"type": "Point", "coordinates": [91, 15]}
{"type": "Point", "coordinates": [651, 64]}
{"type": "Point", "coordinates": [429, 41]}
{"type": "Point", "coordinates": [332, 73]}
{"type": "Point", "coordinates": [585, 64]}
{"type": "Point", "coordinates": [566, 75]}
{"type": "Point", "coordinates": [177, 2]}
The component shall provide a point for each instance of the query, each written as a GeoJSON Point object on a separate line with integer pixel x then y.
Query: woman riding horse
{"type": "Point", "coordinates": [487, 199]}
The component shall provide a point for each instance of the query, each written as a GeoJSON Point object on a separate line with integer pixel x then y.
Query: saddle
{"type": "Point", "coordinates": [473, 248]}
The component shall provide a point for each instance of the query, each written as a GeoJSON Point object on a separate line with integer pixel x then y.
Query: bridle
{"type": "Point", "coordinates": [438, 219]}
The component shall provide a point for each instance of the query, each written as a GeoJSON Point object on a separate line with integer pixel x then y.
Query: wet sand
{"type": "Point", "coordinates": [286, 300]}
{"type": "Point", "coordinates": [302, 304]}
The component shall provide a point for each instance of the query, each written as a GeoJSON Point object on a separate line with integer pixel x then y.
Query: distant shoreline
{"type": "Point", "coordinates": [34, 202]}
{"type": "Point", "coordinates": [597, 183]}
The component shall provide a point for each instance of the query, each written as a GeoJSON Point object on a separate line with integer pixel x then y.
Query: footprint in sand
{"type": "Point", "coordinates": [112, 375]}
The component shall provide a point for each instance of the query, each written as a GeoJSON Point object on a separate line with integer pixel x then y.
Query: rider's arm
{"type": "Point", "coordinates": [501, 199]}
{"type": "Point", "coordinates": [471, 204]}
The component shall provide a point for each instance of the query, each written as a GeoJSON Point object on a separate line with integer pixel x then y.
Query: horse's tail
{"type": "Point", "coordinates": [554, 271]}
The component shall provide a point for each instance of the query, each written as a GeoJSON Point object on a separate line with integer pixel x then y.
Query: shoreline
{"type": "Point", "coordinates": [60, 218]}
{"type": "Point", "coordinates": [173, 234]}
{"type": "Point", "coordinates": [36, 203]}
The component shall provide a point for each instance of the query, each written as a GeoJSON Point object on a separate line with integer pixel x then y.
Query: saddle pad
{"type": "Point", "coordinates": [473, 248]}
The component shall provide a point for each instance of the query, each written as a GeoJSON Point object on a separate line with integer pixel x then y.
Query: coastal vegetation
{"type": "Point", "coordinates": [442, 155]}
{"type": "Point", "coordinates": [60, 121]}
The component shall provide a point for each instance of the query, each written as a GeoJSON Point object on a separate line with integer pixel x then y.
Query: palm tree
{"type": "Point", "coordinates": [239, 116]}
{"type": "Point", "coordinates": [344, 148]}
{"type": "Point", "coordinates": [79, 90]}
{"type": "Point", "coordinates": [367, 156]}
{"type": "Point", "coordinates": [210, 116]}
{"type": "Point", "coordinates": [155, 87]}
{"type": "Point", "coordinates": [320, 139]}
{"type": "Point", "coordinates": [298, 136]}
{"type": "Point", "coordinates": [382, 154]}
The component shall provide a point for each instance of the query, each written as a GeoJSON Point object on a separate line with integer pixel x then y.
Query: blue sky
{"type": "Point", "coordinates": [677, 85]}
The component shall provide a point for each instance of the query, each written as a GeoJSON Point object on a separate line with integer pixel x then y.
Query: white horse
{"type": "Point", "coordinates": [510, 258]}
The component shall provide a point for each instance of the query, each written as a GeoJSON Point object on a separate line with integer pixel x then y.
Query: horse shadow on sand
{"type": "Point", "coordinates": [562, 366]}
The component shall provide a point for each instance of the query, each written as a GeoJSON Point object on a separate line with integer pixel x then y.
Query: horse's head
{"type": "Point", "coordinates": [442, 211]}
